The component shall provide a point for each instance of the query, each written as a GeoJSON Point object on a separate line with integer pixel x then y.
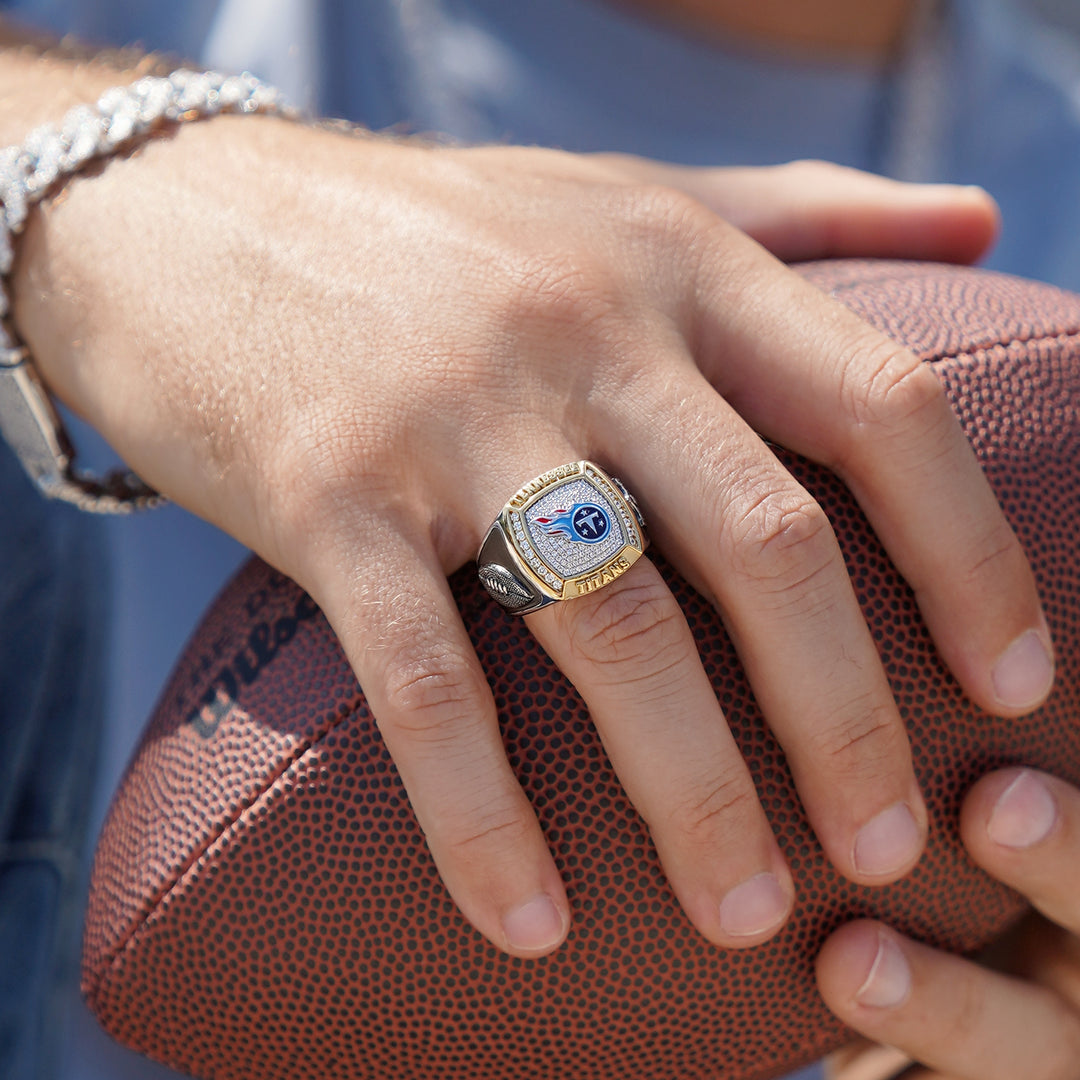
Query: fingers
{"type": "Point", "coordinates": [948, 1013]}
{"type": "Point", "coordinates": [722, 504]}
{"type": "Point", "coordinates": [817, 210]}
{"type": "Point", "coordinates": [848, 397]}
{"type": "Point", "coordinates": [401, 631]}
{"type": "Point", "coordinates": [1023, 827]}
{"type": "Point", "coordinates": [630, 653]}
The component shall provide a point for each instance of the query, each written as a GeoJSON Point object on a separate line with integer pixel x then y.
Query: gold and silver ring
{"type": "Point", "coordinates": [567, 533]}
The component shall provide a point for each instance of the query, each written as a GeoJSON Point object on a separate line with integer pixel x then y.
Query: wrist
{"type": "Point", "coordinates": [102, 265]}
{"type": "Point", "coordinates": [156, 297]}
{"type": "Point", "coordinates": [122, 120]}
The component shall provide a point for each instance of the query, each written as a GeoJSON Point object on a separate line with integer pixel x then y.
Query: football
{"type": "Point", "coordinates": [264, 907]}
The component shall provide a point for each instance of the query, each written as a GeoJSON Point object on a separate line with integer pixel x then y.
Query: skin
{"type": "Point", "coordinates": [963, 1021]}
{"type": "Point", "coordinates": [966, 1022]}
{"type": "Point", "coordinates": [1020, 1015]}
{"type": "Point", "coordinates": [353, 381]}
{"type": "Point", "coordinates": [201, 415]}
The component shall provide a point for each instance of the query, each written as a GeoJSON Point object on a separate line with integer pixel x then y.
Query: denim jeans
{"type": "Point", "coordinates": [53, 612]}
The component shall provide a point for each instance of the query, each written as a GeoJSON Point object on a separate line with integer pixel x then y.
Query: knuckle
{"type": "Point", "coordinates": [890, 390]}
{"type": "Point", "coordinates": [658, 213]}
{"type": "Point", "coordinates": [430, 698]}
{"type": "Point", "coordinates": [780, 540]}
{"type": "Point", "coordinates": [863, 741]}
{"type": "Point", "coordinates": [726, 804]}
{"type": "Point", "coordinates": [629, 623]}
{"type": "Point", "coordinates": [492, 828]}
{"type": "Point", "coordinates": [571, 291]}
{"type": "Point", "coordinates": [330, 457]}
{"type": "Point", "coordinates": [811, 169]}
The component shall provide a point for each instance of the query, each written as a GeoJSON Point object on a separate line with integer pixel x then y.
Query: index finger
{"type": "Point", "coordinates": [826, 385]}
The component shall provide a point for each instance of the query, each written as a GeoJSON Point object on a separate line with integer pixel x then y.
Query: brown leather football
{"type": "Point", "coordinates": [264, 907]}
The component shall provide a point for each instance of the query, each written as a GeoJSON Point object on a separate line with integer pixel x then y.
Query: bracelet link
{"type": "Point", "coordinates": [28, 420]}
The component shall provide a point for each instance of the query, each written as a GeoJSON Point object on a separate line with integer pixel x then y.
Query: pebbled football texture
{"type": "Point", "coordinates": [263, 904]}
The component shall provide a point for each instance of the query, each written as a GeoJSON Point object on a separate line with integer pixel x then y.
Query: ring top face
{"type": "Point", "coordinates": [573, 529]}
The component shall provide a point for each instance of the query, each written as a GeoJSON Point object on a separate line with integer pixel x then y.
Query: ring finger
{"type": "Point", "coordinates": [627, 648]}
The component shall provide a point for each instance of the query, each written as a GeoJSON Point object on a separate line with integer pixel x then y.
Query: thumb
{"type": "Point", "coordinates": [816, 210]}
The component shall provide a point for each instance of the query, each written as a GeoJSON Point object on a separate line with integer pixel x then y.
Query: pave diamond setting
{"type": "Point", "coordinates": [573, 529]}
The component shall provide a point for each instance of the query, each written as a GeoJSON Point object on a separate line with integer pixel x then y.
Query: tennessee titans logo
{"type": "Point", "coordinates": [584, 522]}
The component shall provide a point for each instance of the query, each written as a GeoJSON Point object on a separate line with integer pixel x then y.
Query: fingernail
{"type": "Point", "coordinates": [535, 925]}
{"type": "Point", "coordinates": [1024, 813]}
{"type": "Point", "coordinates": [1024, 672]}
{"type": "Point", "coordinates": [887, 843]}
{"type": "Point", "coordinates": [753, 907]}
{"type": "Point", "coordinates": [889, 981]}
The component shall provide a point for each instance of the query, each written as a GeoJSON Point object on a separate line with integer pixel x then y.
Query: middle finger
{"type": "Point", "coordinates": [733, 518]}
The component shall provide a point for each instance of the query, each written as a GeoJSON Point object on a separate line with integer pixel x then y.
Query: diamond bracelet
{"type": "Point", "coordinates": [121, 118]}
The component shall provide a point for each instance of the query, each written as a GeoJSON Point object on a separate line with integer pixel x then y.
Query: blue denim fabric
{"type": "Point", "coordinates": [53, 613]}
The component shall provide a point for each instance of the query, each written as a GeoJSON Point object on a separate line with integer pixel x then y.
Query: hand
{"type": "Point", "coordinates": [963, 1021]}
{"type": "Point", "coordinates": [349, 352]}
